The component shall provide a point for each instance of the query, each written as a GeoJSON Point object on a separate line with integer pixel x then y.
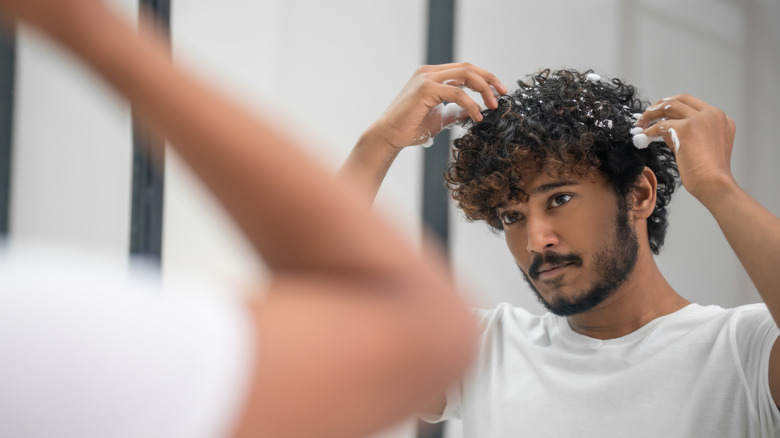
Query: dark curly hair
{"type": "Point", "coordinates": [564, 122]}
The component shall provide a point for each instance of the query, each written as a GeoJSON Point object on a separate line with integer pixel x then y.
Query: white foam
{"type": "Point", "coordinates": [451, 111]}
{"type": "Point", "coordinates": [641, 141]}
{"type": "Point", "coordinates": [636, 130]}
{"type": "Point", "coordinates": [593, 77]}
{"type": "Point", "coordinates": [428, 143]}
{"type": "Point", "coordinates": [675, 140]}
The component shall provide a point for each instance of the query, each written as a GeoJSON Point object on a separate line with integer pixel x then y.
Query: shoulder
{"type": "Point", "coordinates": [747, 329]}
{"type": "Point", "coordinates": [714, 314]}
{"type": "Point", "coordinates": [508, 321]}
{"type": "Point", "coordinates": [506, 314]}
{"type": "Point", "coordinates": [744, 318]}
{"type": "Point", "coordinates": [753, 321]}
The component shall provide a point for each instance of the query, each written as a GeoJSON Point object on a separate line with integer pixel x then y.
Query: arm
{"type": "Point", "coordinates": [358, 330]}
{"type": "Point", "coordinates": [416, 116]}
{"type": "Point", "coordinates": [705, 136]}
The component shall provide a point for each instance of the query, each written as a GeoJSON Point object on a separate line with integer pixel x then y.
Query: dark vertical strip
{"type": "Point", "coordinates": [148, 172]}
{"type": "Point", "coordinates": [756, 38]}
{"type": "Point", "coordinates": [7, 74]}
{"type": "Point", "coordinates": [441, 32]}
{"type": "Point", "coordinates": [441, 23]}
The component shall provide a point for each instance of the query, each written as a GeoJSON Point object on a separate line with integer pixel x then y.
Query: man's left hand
{"type": "Point", "coordinates": [701, 136]}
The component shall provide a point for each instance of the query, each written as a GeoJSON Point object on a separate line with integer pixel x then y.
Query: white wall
{"type": "Point", "coordinates": [326, 70]}
{"type": "Point", "coordinates": [72, 152]}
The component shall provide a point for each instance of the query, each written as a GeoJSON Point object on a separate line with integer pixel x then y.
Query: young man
{"type": "Point", "coordinates": [564, 168]}
{"type": "Point", "coordinates": [341, 346]}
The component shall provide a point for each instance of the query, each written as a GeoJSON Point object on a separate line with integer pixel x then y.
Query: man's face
{"type": "Point", "coordinates": [572, 241]}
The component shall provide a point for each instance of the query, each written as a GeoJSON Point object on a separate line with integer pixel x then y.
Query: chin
{"type": "Point", "coordinates": [567, 303]}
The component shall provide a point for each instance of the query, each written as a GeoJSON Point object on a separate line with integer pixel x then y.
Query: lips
{"type": "Point", "coordinates": [550, 264]}
{"type": "Point", "coordinates": [548, 268]}
{"type": "Point", "coordinates": [552, 270]}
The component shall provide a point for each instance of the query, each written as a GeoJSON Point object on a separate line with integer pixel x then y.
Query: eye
{"type": "Point", "coordinates": [558, 200]}
{"type": "Point", "coordinates": [510, 217]}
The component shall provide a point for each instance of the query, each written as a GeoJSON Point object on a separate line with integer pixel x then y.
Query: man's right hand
{"type": "Point", "coordinates": [416, 116]}
{"type": "Point", "coordinates": [417, 113]}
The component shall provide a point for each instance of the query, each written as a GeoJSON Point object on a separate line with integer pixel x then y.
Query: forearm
{"type": "Point", "coordinates": [291, 209]}
{"type": "Point", "coordinates": [367, 164]}
{"type": "Point", "coordinates": [753, 233]}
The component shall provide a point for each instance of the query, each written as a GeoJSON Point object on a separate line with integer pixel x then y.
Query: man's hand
{"type": "Point", "coordinates": [702, 138]}
{"type": "Point", "coordinates": [417, 114]}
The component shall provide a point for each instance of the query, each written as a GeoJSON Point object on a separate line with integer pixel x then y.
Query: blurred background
{"type": "Point", "coordinates": [326, 70]}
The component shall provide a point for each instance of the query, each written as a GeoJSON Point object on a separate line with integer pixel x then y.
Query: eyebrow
{"type": "Point", "coordinates": [545, 188]}
{"type": "Point", "coordinates": [552, 186]}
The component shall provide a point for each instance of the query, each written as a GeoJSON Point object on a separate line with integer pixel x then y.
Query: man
{"type": "Point", "coordinates": [564, 168]}
{"type": "Point", "coordinates": [89, 353]}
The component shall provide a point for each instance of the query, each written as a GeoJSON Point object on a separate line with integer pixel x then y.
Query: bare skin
{"type": "Point", "coordinates": [705, 135]}
{"type": "Point", "coordinates": [352, 338]}
{"type": "Point", "coordinates": [577, 218]}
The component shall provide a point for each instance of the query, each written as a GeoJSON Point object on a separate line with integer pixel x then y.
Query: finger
{"type": "Point", "coordinates": [490, 78]}
{"type": "Point", "coordinates": [666, 130]}
{"type": "Point", "coordinates": [691, 101]}
{"type": "Point", "coordinates": [460, 97]}
{"type": "Point", "coordinates": [468, 78]}
{"type": "Point", "coordinates": [665, 109]}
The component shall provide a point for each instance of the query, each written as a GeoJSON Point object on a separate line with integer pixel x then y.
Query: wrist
{"type": "Point", "coordinates": [374, 140]}
{"type": "Point", "coordinates": [715, 190]}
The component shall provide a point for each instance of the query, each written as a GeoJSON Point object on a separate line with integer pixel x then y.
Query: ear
{"type": "Point", "coordinates": [643, 194]}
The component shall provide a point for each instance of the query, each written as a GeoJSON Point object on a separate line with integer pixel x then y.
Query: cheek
{"type": "Point", "coordinates": [518, 247]}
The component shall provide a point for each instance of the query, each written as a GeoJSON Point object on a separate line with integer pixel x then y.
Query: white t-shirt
{"type": "Point", "coordinates": [88, 350]}
{"type": "Point", "coordinates": [699, 372]}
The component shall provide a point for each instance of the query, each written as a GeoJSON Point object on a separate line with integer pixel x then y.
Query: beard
{"type": "Point", "coordinates": [614, 262]}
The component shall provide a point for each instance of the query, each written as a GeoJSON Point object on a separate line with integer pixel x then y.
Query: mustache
{"type": "Point", "coordinates": [552, 258]}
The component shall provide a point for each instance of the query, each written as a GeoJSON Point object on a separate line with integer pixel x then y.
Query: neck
{"type": "Point", "coordinates": [644, 296]}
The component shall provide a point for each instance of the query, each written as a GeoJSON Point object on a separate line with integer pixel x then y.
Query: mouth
{"type": "Point", "coordinates": [551, 271]}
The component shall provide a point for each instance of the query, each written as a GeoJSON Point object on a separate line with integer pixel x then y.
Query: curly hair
{"type": "Point", "coordinates": [564, 122]}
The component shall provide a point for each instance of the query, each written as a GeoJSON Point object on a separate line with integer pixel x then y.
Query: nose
{"type": "Point", "coordinates": [541, 235]}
